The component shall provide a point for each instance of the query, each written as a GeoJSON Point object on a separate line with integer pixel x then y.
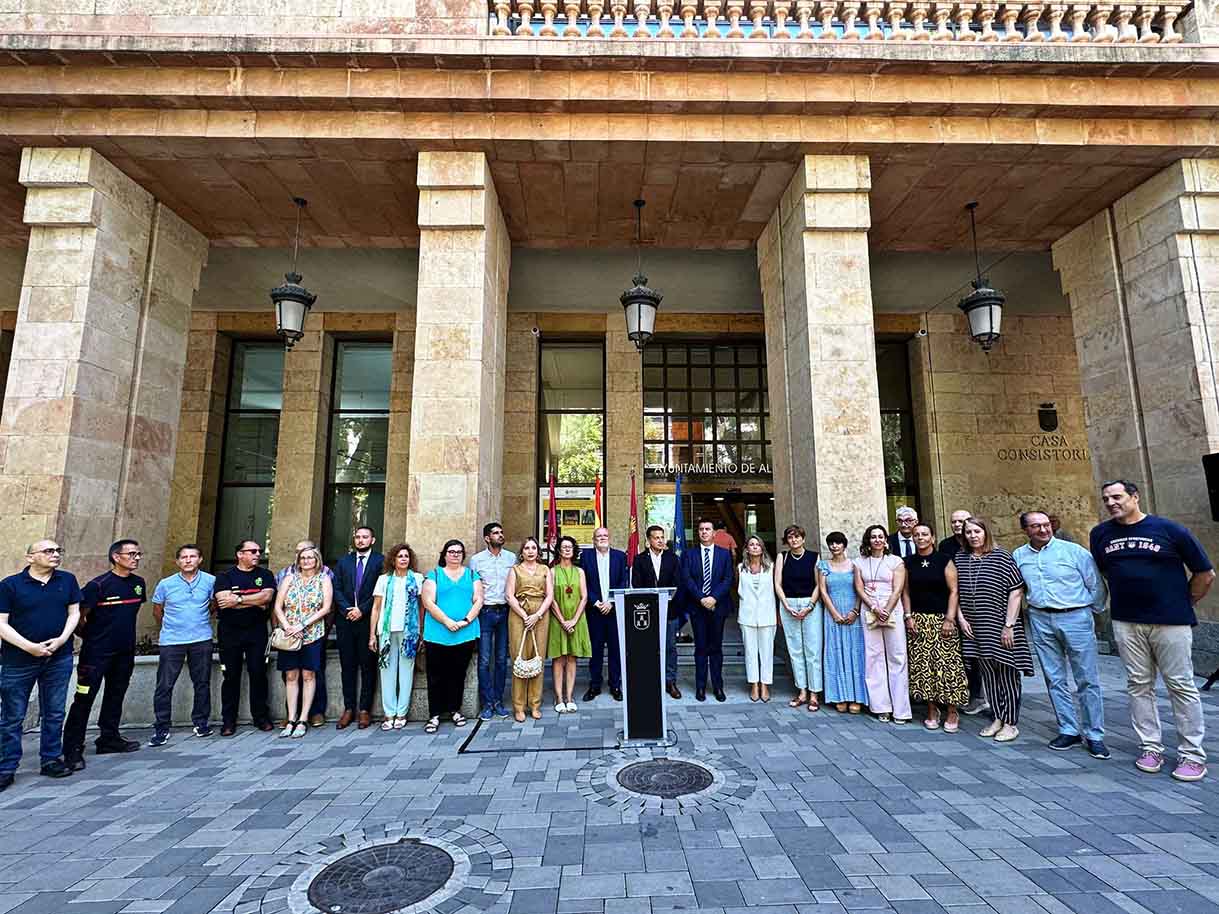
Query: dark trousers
{"type": "Point", "coordinates": [603, 632]}
{"type": "Point", "coordinates": [243, 648]}
{"type": "Point", "coordinates": [16, 685]}
{"type": "Point", "coordinates": [319, 694]}
{"type": "Point", "coordinates": [198, 658]}
{"type": "Point", "coordinates": [358, 662]}
{"type": "Point", "coordinates": [974, 675]}
{"type": "Point", "coordinates": [492, 654]}
{"type": "Point", "coordinates": [708, 647]}
{"type": "Point", "coordinates": [109, 673]}
{"type": "Point", "coordinates": [446, 676]}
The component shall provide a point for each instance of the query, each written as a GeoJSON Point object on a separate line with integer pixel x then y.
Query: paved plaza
{"type": "Point", "coordinates": [808, 814]}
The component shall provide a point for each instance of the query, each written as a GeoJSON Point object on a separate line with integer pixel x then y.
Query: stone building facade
{"type": "Point", "coordinates": [470, 169]}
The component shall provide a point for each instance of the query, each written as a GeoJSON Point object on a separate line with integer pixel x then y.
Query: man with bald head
{"type": "Point", "coordinates": [39, 609]}
{"type": "Point", "coordinates": [605, 569]}
{"type": "Point", "coordinates": [951, 545]}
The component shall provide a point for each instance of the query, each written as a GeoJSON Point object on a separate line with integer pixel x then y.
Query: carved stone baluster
{"type": "Point", "coordinates": [986, 16]}
{"type": "Point", "coordinates": [783, 9]}
{"type": "Point", "coordinates": [549, 9]}
{"type": "Point", "coordinates": [1168, 34]}
{"type": "Point", "coordinates": [1055, 13]}
{"type": "Point", "coordinates": [643, 9]}
{"type": "Point", "coordinates": [1032, 18]}
{"type": "Point", "coordinates": [804, 13]}
{"type": "Point", "coordinates": [941, 13]}
{"type": "Point", "coordinates": [711, 10]}
{"type": "Point", "coordinates": [736, 9]}
{"type": "Point", "coordinates": [571, 13]}
{"type": "Point", "coordinates": [918, 18]}
{"type": "Point", "coordinates": [825, 11]}
{"type": "Point", "coordinates": [1126, 32]}
{"type": "Point", "coordinates": [595, 9]}
{"type": "Point", "coordinates": [665, 10]}
{"type": "Point", "coordinates": [1079, 12]}
{"type": "Point", "coordinates": [618, 11]}
{"type": "Point", "coordinates": [897, 15]}
{"type": "Point", "coordinates": [757, 12]}
{"type": "Point", "coordinates": [1011, 12]}
{"type": "Point", "coordinates": [965, 15]}
{"type": "Point", "coordinates": [1102, 31]}
{"type": "Point", "coordinates": [503, 9]}
{"type": "Point", "coordinates": [525, 10]}
{"type": "Point", "coordinates": [687, 11]}
{"type": "Point", "coordinates": [1142, 22]}
{"type": "Point", "coordinates": [872, 12]}
{"type": "Point", "coordinates": [850, 13]}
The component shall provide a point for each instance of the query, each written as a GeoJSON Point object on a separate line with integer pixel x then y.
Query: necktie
{"type": "Point", "coordinates": [905, 547]}
{"type": "Point", "coordinates": [359, 574]}
{"type": "Point", "coordinates": [706, 572]}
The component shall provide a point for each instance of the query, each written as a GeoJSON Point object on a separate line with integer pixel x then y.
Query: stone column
{"type": "Point", "coordinates": [300, 459]}
{"type": "Point", "coordinates": [1143, 286]}
{"type": "Point", "coordinates": [401, 384]}
{"type": "Point", "coordinates": [624, 430]}
{"type": "Point", "coordinates": [520, 462]}
{"type": "Point", "coordinates": [820, 342]}
{"type": "Point", "coordinates": [457, 398]}
{"type": "Point", "coordinates": [95, 383]}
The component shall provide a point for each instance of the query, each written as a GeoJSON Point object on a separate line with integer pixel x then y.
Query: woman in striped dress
{"type": "Point", "coordinates": [989, 588]}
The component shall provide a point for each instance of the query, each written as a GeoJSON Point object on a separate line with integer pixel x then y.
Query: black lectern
{"type": "Point", "coordinates": [643, 618]}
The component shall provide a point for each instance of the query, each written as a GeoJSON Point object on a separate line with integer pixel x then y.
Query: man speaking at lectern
{"type": "Point", "coordinates": [706, 578]}
{"type": "Point", "coordinates": [657, 566]}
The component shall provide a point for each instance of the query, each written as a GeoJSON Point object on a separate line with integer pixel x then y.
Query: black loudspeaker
{"type": "Point", "coordinates": [1210, 466]}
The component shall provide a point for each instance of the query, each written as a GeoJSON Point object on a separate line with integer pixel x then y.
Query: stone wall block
{"type": "Point", "coordinates": [63, 206]}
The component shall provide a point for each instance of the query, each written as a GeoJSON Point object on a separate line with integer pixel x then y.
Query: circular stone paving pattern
{"type": "Point", "coordinates": [665, 778]}
{"type": "Point", "coordinates": [381, 878]}
{"type": "Point", "coordinates": [661, 781]}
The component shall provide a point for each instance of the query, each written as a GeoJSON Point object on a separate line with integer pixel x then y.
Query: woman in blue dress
{"type": "Point", "coordinates": [845, 685]}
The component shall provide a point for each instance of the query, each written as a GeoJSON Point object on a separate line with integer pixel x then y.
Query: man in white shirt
{"type": "Point", "coordinates": [901, 541]}
{"type": "Point", "coordinates": [492, 565]}
{"type": "Point", "coordinates": [657, 566]}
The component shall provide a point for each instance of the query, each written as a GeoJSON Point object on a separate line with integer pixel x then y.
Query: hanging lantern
{"type": "Point", "coordinates": [983, 306]}
{"type": "Point", "coordinates": [292, 300]}
{"type": "Point", "coordinates": [640, 301]}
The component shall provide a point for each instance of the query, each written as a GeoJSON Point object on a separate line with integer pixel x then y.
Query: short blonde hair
{"type": "Point", "coordinates": [313, 551]}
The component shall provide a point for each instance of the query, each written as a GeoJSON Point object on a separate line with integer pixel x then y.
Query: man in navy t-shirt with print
{"type": "Point", "coordinates": [1144, 558]}
{"type": "Point", "coordinates": [39, 609]}
{"type": "Point", "coordinates": [109, 606]}
{"type": "Point", "coordinates": [244, 594]}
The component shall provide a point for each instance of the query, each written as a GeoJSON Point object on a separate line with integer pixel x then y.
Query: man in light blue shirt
{"type": "Point", "coordinates": [1064, 590]}
{"type": "Point", "coordinates": [181, 605]}
{"type": "Point", "coordinates": [492, 565]}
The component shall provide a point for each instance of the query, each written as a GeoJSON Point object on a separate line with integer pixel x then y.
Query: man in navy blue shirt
{"type": "Point", "coordinates": [109, 607]}
{"type": "Point", "coordinates": [1144, 558]}
{"type": "Point", "coordinates": [707, 578]}
{"type": "Point", "coordinates": [244, 595]}
{"type": "Point", "coordinates": [39, 609]}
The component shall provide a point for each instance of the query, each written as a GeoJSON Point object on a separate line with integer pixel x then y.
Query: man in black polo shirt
{"type": "Point", "coordinates": [244, 595]}
{"type": "Point", "coordinates": [39, 609]}
{"type": "Point", "coordinates": [109, 608]}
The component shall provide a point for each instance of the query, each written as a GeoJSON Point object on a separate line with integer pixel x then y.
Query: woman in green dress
{"type": "Point", "coordinates": [568, 640]}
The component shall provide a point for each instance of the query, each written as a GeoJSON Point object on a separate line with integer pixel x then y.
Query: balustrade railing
{"type": "Point", "coordinates": [840, 20]}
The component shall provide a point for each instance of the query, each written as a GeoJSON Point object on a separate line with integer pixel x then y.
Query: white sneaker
{"type": "Point", "coordinates": [560, 708]}
{"type": "Point", "coordinates": [571, 707]}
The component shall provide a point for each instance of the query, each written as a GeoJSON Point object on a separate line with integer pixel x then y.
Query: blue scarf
{"type": "Point", "coordinates": [410, 635]}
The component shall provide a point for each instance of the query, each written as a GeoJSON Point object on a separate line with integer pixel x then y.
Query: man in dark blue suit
{"type": "Point", "coordinates": [355, 578]}
{"type": "Point", "coordinates": [706, 578]}
{"type": "Point", "coordinates": [658, 566]}
{"type": "Point", "coordinates": [604, 570]}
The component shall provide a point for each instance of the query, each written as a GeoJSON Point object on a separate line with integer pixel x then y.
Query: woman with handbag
{"type": "Point", "coordinates": [301, 608]}
{"type": "Point", "coordinates": [395, 624]}
{"type": "Point", "coordinates": [530, 592]}
{"type": "Point", "coordinates": [879, 579]}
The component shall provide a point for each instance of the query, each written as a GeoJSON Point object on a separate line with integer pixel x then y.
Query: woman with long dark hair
{"type": "Point", "coordinates": [879, 578]}
{"type": "Point", "coordinates": [569, 639]}
{"type": "Point", "coordinates": [846, 684]}
{"type": "Point", "coordinates": [395, 626]}
{"type": "Point", "coordinates": [452, 597]}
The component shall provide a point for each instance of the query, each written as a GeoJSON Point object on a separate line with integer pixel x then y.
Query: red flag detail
{"type": "Point", "coordinates": [632, 540]}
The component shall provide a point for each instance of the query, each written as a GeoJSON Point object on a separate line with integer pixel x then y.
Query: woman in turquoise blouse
{"type": "Point", "coordinates": [452, 597]}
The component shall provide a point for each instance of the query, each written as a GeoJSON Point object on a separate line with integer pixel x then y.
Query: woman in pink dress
{"type": "Point", "coordinates": [879, 579]}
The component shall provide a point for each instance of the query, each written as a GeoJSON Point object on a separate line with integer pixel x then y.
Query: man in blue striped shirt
{"type": "Point", "coordinates": [1064, 590]}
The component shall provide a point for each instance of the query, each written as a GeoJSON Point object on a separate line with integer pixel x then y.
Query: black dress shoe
{"type": "Point", "coordinates": [617, 693]}
{"type": "Point", "coordinates": [591, 694]}
{"type": "Point", "coordinates": [74, 762]}
{"type": "Point", "coordinates": [55, 768]}
{"type": "Point", "coordinates": [700, 694]}
{"type": "Point", "coordinates": [228, 730]}
{"type": "Point", "coordinates": [6, 781]}
{"type": "Point", "coordinates": [117, 745]}
{"type": "Point", "coordinates": [719, 695]}
{"type": "Point", "coordinates": [673, 690]}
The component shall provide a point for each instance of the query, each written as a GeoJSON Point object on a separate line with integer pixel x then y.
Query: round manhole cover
{"type": "Point", "coordinates": [665, 778]}
{"type": "Point", "coordinates": [382, 878]}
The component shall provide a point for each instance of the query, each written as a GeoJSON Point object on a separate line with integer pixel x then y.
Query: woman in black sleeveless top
{"type": "Point", "coordinates": [796, 588]}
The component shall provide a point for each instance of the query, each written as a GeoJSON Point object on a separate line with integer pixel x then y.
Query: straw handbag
{"type": "Point", "coordinates": [531, 668]}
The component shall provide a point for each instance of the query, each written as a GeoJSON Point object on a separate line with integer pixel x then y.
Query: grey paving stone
{"type": "Point", "coordinates": [600, 886]}
{"type": "Point", "coordinates": [774, 891]}
{"type": "Point", "coordinates": [534, 901]}
{"type": "Point", "coordinates": [713, 864]}
{"type": "Point", "coordinates": [647, 884]}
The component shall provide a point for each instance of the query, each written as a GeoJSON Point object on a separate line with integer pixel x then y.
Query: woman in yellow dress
{"type": "Point", "coordinates": [569, 638]}
{"type": "Point", "coordinates": [530, 595]}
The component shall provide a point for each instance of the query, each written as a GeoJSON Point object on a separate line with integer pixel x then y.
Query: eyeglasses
{"type": "Point", "coordinates": [455, 552]}
{"type": "Point", "coordinates": [54, 550]}
{"type": "Point", "coordinates": [131, 555]}
{"type": "Point", "coordinates": [251, 551]}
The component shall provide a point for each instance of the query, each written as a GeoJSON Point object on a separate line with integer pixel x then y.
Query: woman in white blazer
{"type": "Point", "coordinates": [758, 616]}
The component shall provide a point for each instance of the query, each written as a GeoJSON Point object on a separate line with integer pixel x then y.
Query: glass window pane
{"type": "Point", "coordinates": [724, 355]}
{"type": "Point", "coordinates": [245, 514]}
{"type": "Point", "coordinates": [359, 447]}
{"type": "Point", "coordinates": [654, 401]}
{"type": "Point", "coordinates": [700, 377]}
{"type": "Point", "coordinates": [725, 402]}
{"type": "Point", "coordinates": [653, 355]}
{"type": "Point", "coordinates": [574, 446]}
{"type": "Point", "coordinates": [654, 455]}
{"type": "Point", "coordinates": [677, 377]}
{"type": "Point", "coordinates": [751, 428]}
{"type": "Point", "coordinates": [751, 453]}
{"type": "Point", "coordinates": [351, 507]}
{"type": "Point", "coordinates": [700, 401]}
{"type": "Point", "coordinates": [653, 428]}
{"type": "Point", "coordinates": [679, 428]}
{"type": "Point", "coordinates": [725, 426]}
{"type": "Point", "coordinates": [679, 402]}
{"type": "Point", "coordinates": [725, 378]}
{"type": "Point", "coordinates": [679, 453]}
{"type": "Point", "coordinates": [749, 378]}
{"type": "Point", "coordinates": [258, 376]}
{"type": "Point", "coordinates": [653, 378]}
{"type": "Point", "coordinates": [363, 376]}
{"type": "Point", "coordinates": [751, 401]}
{"type": "Point", "coordinates": [250, 444]}
{"type": "Point", "coordinates": [747, 355]}
{"type": "Point", "coordinates": [726, 453]}
{"type": "Point", "coordinates": [703, 454]}
{"type": "Point", "coordinates": [573, 377]}
{"type": "Point", "coordinates": [700, 355]}
{"type": "Point", "coordinates": [675, 355]}
{"type": "Point", "coordinates": [700, 429]}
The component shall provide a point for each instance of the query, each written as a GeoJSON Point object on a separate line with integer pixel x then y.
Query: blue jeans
{"type": "Point", "coordinates": [1062, 638]}
{"type": "Point", "coordinates": [16, 685]}
{"type": "Point", "coordinates": [492, 654]}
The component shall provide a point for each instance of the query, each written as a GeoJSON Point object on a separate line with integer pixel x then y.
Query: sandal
{"type": "Point", "coordinates": [797, 701]}
{"type": "Point", "coordinates": [813, 705]}
{"type": "Point", "coordinates": [536, 714]}
{"type": "Point", "coordinates": [458, 719]}
{"type": "Point", "coordinates": [432, 725]}
{"type": "Point", "coordinates": [841, 707]}
{"type": "Point", "coordinates": [854, 707]}
{"type": "Point", "coordinates": [399, 723]}
{"type": "Point", "coordinates": [387, 724]}
{"type": "Point", "coordinates": [519, 717]}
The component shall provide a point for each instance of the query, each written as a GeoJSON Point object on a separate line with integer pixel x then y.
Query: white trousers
{"type": "Point", "coordinates": [759, 653]}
